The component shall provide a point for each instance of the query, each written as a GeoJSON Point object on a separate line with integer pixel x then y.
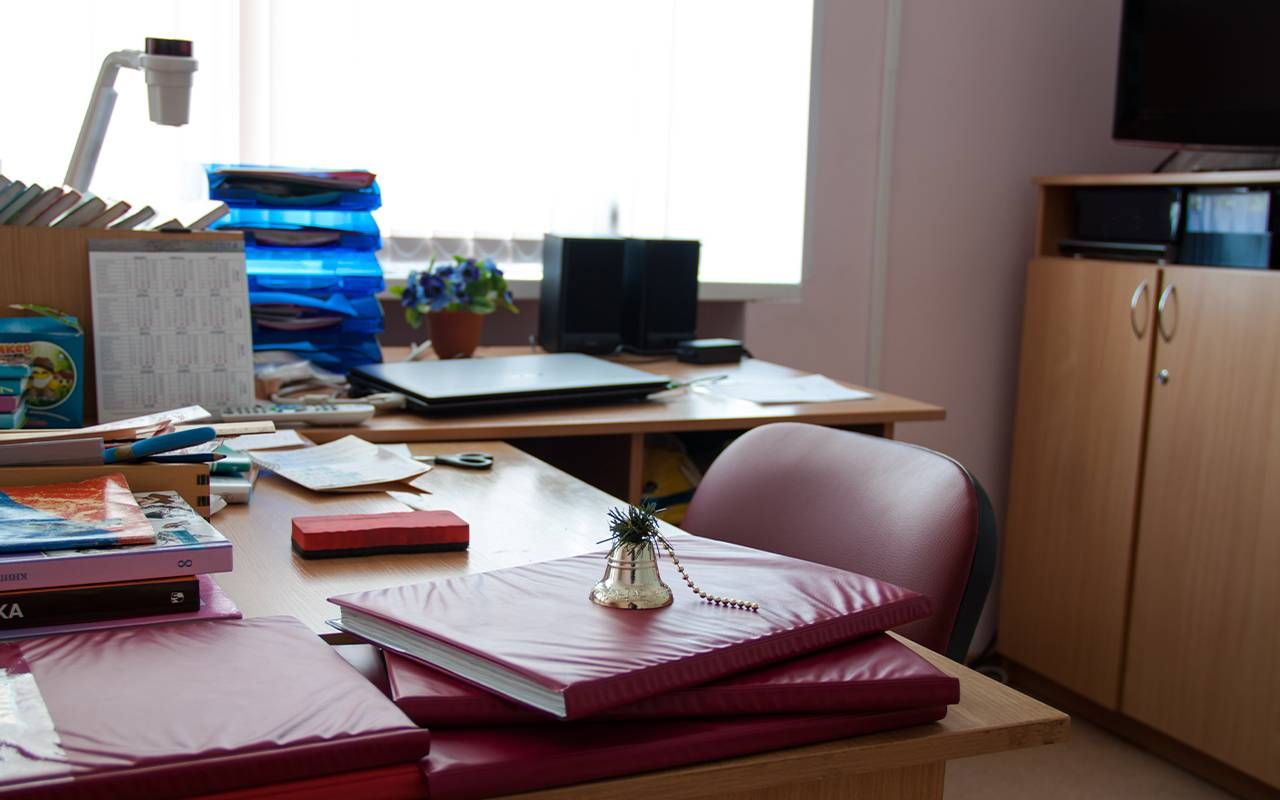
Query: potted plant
{"type": "Point", "coordinates": [454, 298]}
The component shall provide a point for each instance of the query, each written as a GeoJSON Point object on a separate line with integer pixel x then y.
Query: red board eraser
{"type": "Point", "coordinates": [371, 534]}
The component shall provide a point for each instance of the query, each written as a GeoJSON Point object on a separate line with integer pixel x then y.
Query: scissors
{"type": "Point", "coordinates": [460, 460]}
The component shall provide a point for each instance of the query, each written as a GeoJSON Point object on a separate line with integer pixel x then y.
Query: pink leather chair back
{"type": "Point", "coordinates": [882, 508]}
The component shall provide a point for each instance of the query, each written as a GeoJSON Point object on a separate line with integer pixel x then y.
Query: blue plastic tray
{"type": "Point", "coordinates": [225, 188]}
{"type": "Point", "coordinates": [353, 273]}
{"type": "Point", "coordinates": [353, 230]}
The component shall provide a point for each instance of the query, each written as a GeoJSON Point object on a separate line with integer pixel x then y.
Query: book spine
{"type": "Point", "coordinates": [45, 571]}
{"type": "Point", "coordinates": [41, 608]}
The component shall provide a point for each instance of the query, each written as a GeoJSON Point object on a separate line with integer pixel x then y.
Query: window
{"type": "Point", "coordinates": [487, 121]}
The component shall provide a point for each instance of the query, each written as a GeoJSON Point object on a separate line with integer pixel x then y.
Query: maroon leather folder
{"type": "Point", "coordinates": [179, 710]}
{"type": "Point", "coordinates": [554, 649]}
{"type": "Point", "coordinates": [480, 762]}
{"type": "Point", "coordinates": [878, 673]}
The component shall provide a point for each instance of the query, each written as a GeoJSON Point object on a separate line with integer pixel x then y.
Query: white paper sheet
{"type": "Point", "coordinates": [170, 325]}
{"type": "Point", "coordinates": [267, 441]}
{"type": "Point", "coordinates": [343, 464]}
{"type": "Point", "coordinates": [802, 389]}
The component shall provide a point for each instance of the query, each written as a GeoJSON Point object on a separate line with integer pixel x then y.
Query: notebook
{"type": "Point", "coordinates": [878, 673]}
{"type": "Point", "coordinates": [99, 512]}
{"type": "Point", "coordinates": [168, 711]}
{"type": "Point", "coordinates": [530, 634]}
{"type": "Point", "coordinates": [483, 762]}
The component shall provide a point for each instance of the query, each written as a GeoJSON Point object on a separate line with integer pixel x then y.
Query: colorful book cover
{"type": "Point", "coordinates": [14, 366]}
{"type": "Point", "coordinates": [100, 512]}
{"type": "Point", "coordinates": [14, 419]}
{"type": "Point", "coordinates": [174, 521]}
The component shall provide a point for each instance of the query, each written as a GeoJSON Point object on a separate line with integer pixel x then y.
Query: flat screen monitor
{"type": "Point", "coordinates": [1200, 73]}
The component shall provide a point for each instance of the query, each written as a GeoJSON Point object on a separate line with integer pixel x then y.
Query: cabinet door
{"type": "Point", "coordinates": [1204, 641]}
{"type": "Point", "coordinates": [1083, 378]}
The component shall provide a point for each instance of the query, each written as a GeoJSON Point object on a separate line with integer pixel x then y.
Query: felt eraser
{"type": "Point", "coordinates": [370, 534]}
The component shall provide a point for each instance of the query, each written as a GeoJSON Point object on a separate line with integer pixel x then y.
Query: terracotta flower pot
{"type": "Point", "coordinates": [455, 334]}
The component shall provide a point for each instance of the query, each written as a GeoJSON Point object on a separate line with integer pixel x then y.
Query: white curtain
{"type": "Point", "coordinates": [488, 122]}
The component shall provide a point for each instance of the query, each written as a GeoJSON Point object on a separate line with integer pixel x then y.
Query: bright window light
{"type": "Point", "coordinates": [489, 122]}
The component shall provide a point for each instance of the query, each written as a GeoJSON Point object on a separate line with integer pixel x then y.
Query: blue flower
{"type": "Point", "coordinates": [508, 298]}
{"type": "Point", "coordinates": [433, 286]}
{"type": "Point", "coordinates": [470, 271]}
{"type": "Point", "coordinates": [445, 271]}
{"type": "Point", "coordinates": [497, 273]}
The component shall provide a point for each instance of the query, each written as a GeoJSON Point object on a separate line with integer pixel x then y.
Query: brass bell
{"type": "Point", "coordinates": [631, 579]}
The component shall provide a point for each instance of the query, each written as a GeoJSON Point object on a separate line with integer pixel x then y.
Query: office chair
{"type": "Point", "coordinates": [893, 511]}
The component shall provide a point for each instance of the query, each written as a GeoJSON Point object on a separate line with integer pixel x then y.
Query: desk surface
{"type": "Point", "coordinates": [524, 511]}
{"type": "Point", "coordinates": [674, 411]}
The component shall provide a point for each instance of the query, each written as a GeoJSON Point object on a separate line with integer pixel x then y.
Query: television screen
{"type": "Point", "coordinates": [1200, 73]}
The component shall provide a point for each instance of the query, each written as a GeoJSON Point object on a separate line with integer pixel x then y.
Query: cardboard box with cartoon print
{"type": "Point", "coordinates": [55, 344]}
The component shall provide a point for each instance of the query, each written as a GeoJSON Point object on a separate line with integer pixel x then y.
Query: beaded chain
{"type": "Point", "coordinates": [745, 605]}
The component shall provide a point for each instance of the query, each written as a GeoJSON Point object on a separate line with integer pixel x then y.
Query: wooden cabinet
{"type": "Point", "coordinates": [1086, 344]}
{"type": "Point", "coordinates": [1204, 634]}
{"type": "Point", "coordinates": [1141, 565]}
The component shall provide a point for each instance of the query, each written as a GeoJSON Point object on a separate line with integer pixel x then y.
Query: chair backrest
{"type": "Point", "coordinates": [893, 511]}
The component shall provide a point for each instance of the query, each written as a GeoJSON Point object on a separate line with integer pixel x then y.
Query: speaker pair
{"type": "Point", "coordinates": [599, 294]}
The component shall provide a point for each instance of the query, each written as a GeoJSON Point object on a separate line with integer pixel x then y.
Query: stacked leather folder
{"type": "Point", "coordinates": [525, 684]}
{"type": "Point", "coordinates": [176, 711]}
{"type": "Point", "coordinates": [311, 253]}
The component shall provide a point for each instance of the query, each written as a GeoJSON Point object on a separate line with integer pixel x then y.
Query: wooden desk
{"type": "Point", "coordinates": [604, 444]}
{"type": "Point", "coordinates": [524, 511]}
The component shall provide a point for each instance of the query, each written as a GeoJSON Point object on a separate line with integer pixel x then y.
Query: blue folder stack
{"type": "Point", "coordinates": [311, 251]}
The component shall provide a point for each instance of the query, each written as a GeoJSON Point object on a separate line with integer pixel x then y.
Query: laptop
{"type": "Point", "coordinates": [507, 382]}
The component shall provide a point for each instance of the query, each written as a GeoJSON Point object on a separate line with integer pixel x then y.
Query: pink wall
{"type": "Point", "coordinates": [827, 331]}
{"type": "Point", "coordinates": [988, 94]}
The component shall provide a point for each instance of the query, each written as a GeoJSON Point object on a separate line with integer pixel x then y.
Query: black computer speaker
{"type": "Point", "coordinates": [660, 277]}
{"type": "Point", "coordinates": [581, 301]}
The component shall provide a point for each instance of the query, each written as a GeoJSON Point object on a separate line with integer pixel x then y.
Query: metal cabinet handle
{"type": "Point", "coordinates": [1138, 294]}
{"type": "Point", "coordinates": [1170, 293]}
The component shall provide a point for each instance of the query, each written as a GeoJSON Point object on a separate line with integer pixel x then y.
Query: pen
{"type": "Point", "coordinates": [158, 444]}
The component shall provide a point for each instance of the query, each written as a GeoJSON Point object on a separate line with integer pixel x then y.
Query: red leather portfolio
{"type": "Point", "coordinates": [530, 634]}
{"type": "Point", "coordinates": [480, 762]}
{"type": "Point", "coordinates": [179, 710]}
{"type": "Point", "coordinates": [878, 673]}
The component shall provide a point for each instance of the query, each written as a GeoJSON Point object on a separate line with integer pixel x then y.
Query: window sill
{"type": "Point", "coordinates": [526, 282]}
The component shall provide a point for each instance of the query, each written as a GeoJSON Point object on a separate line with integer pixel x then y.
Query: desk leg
{"type": "Point", "coordinates": [635, 468]}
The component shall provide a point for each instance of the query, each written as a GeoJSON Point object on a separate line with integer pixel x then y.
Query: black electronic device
{"type": "Point", "coordinates": [709, 351]}
{"type": "Point", "coordinates": [1151, 252]}
{"type": "Point", "coordinates": [1199, 73]}
{"type": "Point", "coordinates": [581, 300]}
{"type": "Point", "coordinates": [1123, 214]}
{"type": "Point", "coordinates": [660, 277]}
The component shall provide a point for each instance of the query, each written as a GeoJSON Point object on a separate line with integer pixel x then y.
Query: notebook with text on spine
{"type": "Point", "coordinates": [530, 634]}
{"type": "Point", "coordinates": [878, 673]}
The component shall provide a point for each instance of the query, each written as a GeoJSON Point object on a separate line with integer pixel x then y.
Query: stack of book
{"type": "Point", "coordinates": [15, 372]}
{"type": "Point", "coordinates": [30, 205]}
{"type": "Point", "coordinates": [525, 684]}
{"type": "Point", "coordinates": [92, 554]}
{"type": "Point", "coordinates": [311, 254]}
